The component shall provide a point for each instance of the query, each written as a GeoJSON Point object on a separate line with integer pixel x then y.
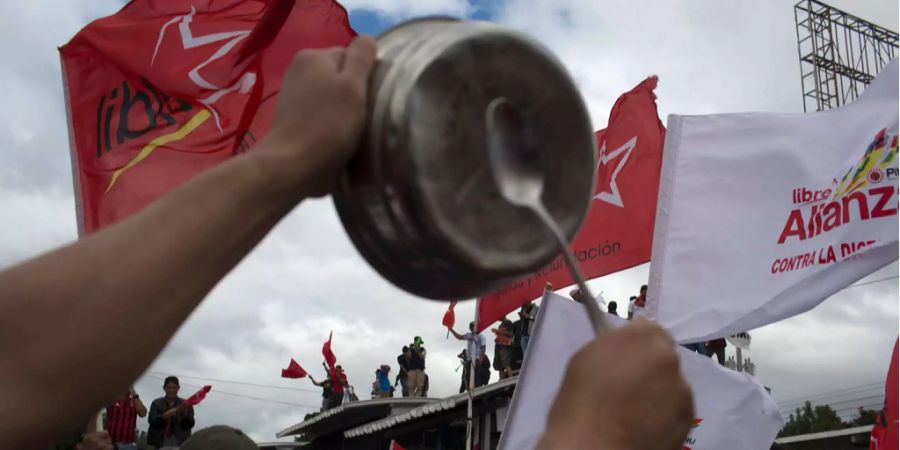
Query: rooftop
{"type": "Point", "coordinates": [432, 408]}
{"type": "Point", "coordinates": [353, 414]}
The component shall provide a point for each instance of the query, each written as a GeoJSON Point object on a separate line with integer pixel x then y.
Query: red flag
{"type": "Point", "coordinates": [396, 446]}
{"type": "Point", "coordinates": [330, 359]}
{"type": "Point", "coordinates": [618, 230]}
{"type": "Point", "coordinates": [165, 89]}
{"type": "Point", "coordinates": [449, 316]}
{"type": "Point", "coordinates": [884, 433]}
{"type": "Point", "coordinates": [197, 397]}
{"type": "Point", "coordinates": [293, 371]}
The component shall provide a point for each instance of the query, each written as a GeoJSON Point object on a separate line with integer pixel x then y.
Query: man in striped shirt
{"type": "Point", "coordinates": [121, 419]}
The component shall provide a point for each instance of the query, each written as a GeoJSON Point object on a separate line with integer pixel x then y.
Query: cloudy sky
{"type": "Point", "coordinates": [306, 279]}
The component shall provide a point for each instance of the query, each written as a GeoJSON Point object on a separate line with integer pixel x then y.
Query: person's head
{"type": "Point", "coordinates": [644, 290]}
{"type": "Point", "coordinates": [219, 437]}
{"type": "Point", "coordinates": [171, 387]}
{"type": "Point", "coordinates": [612, 307]}
{"type": "Point", "coordinates": [405, 349]}
{"type": "Point", "coordinates": [418, 341]}
{"type": "Point", "coordinates": [339, 368]}
{"type": "Point", "coordinates": [576, 294]}
{"type": "Point", "coordinates": [471, 326]}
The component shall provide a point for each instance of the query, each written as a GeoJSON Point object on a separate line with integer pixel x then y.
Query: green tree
{"type": "Point", "coordinates": [810, 419]}
{"type": "Point", "coordinates": [863, 417]}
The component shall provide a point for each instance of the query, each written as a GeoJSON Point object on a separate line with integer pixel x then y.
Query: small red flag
{"type": "Point", "coordinates": [293, 371]}
{"type": "Point", "coordinates": [198, 396]}
{"type": "Point", "coordinates": [449, 316]}
{"type": "Point", "coordinates": [330, 359]}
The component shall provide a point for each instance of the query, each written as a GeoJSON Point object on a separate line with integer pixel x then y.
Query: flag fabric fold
{"type": "Point", "coordinates": [330, 359]}
{"type": "Point", "coordinates": [198, 396]}
{"type": "Point", "coordinates": [164, 89]}
{"type": "Point", "coordinates": [293, 371]}
{"type": "Point", "coordinates": [732, 409]}
{"type": "Point", "coordinates": [618, 229]}
{"type": "Point", "coordinates": [763, 216]}
{"type": "Point", "coordinates": [449, 316]}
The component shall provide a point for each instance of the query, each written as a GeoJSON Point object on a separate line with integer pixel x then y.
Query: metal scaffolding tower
{"type": "Point", "coordinates": [840, 54]}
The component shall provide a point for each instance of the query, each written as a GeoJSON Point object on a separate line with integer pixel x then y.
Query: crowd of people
{"type": "Point", "coordinates": [511, 339]}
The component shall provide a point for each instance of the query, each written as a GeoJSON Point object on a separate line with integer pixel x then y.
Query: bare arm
{"type": "Point", "coordinates": [140, 408]}
{"type": "Point", "coordinates": [141, 278]}
{"type": "Point", "coordinates": [455, 334]}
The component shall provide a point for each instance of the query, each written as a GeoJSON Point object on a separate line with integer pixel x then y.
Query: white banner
{"type": "Point", "coordinates": [763, 216]}
{"type": "Point", "coordinates": [733, 410]}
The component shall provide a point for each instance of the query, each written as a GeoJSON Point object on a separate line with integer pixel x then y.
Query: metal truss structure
{"type": "Point", "coordinates": [840, 54]}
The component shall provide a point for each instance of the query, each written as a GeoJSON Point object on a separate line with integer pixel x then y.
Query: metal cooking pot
{"type": "Point", "coordinates": [418, 199]}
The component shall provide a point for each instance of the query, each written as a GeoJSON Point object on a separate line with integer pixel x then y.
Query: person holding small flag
{"type": "Point", "coordinates": [170, 418]}
{"type": "Point", "coordinates": [474, 354]}
{"type": "Point", "coordinates": [326, 390]}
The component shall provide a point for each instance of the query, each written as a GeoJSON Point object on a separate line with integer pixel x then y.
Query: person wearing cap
{"type": "Point", "coordinates": [416, 374]}
{"type": "Point", "coordinates": [170, 420]}
{"type": "Point", "coordinates": [171, 254]}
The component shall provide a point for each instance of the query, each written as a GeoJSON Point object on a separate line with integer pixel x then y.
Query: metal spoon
{"type": "Point", "coordinates": [516, 165]}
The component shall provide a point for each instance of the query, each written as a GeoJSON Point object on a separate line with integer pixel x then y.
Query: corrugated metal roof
{"type": "Point", "coordinates": [445, 404]}
{"type": "Point", "coordinates": [411, 402]}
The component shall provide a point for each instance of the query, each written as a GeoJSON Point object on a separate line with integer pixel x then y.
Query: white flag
{"type": "Point", "coordinates": [763, 216]}
{"type": "Point", "coordinates": [733, 410]}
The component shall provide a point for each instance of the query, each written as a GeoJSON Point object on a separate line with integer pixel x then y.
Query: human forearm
{"type": "Point", "coordinates": [100, 310]}
{"type": "Point", "coordinates": [141, 277]}
{"type": "Point", "coordinates": [140, 408]}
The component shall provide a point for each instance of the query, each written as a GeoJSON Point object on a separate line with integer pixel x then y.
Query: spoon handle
{"type": "Point", "coordinates": [598, 319]}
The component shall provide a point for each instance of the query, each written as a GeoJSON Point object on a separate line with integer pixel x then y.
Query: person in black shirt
{"type": "Point", "coordinates": [170, 421]}
{"type": "Point", "coordinates": [326, 390]}
{"type": "Point", "coordinates": [403, 362]}
{"type": "Point", "coordinates": [527, 314]}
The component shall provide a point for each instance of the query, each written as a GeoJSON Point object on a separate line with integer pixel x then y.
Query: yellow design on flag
{"type": "Point", "coordinates": [178, 134]}
{"type": "Point", "coordinates": [878, 156]}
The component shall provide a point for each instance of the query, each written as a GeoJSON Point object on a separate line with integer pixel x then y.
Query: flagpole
{"type": "Point", "coordinates": [469, 436]}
